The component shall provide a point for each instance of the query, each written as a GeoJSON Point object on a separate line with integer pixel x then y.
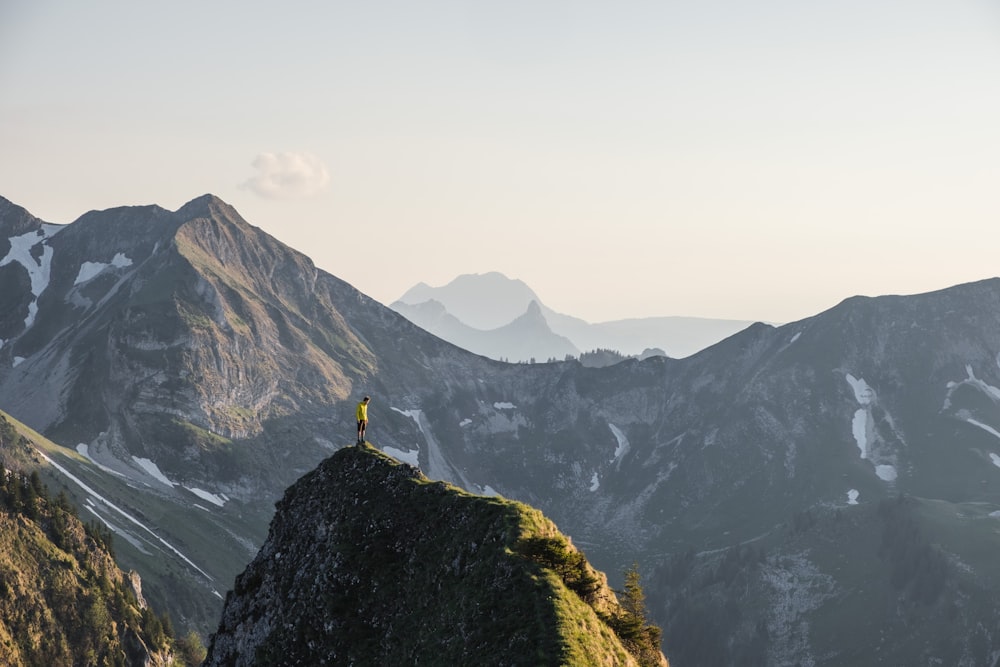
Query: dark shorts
{"type": "Point", "coordinates": [361, 424]}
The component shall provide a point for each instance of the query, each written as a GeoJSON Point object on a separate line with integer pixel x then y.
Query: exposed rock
{"type": "Point", "coordinates": [369, 562]}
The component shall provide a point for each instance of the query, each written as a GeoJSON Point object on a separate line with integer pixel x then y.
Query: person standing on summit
{"type": "Point", "coordinates": [362, 418]}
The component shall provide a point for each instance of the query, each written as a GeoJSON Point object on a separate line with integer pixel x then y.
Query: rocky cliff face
{"type": "Point", "coordinates": [369, 562]}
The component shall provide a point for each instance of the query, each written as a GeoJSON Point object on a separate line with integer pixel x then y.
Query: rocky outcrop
{"type": "Point", "coordinates": [369, 562]}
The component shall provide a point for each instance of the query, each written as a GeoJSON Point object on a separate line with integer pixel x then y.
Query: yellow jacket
{"type": "Point", "coordinates": [362, 411]}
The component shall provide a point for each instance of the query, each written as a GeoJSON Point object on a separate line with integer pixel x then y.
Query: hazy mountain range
{"type": "Point", "coordinates": [826, 492]}
{"type": "Point", "coordinates": [501, 318]}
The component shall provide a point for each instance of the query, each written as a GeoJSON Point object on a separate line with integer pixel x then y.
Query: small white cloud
{"type": "Point", "coordinates": [288, 175]}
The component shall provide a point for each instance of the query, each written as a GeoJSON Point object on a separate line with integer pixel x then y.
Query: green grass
{"type": "Point", "coordinates": [204, 438]}
{"type": "Point", "coordinates": [204, 537]}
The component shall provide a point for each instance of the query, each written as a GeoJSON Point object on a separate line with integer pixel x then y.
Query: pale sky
{"type": "Point", "coordinates": [746, 160]}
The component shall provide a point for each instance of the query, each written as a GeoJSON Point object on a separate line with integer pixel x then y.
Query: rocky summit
{"type": "Point", "coordinates": [369, 562]}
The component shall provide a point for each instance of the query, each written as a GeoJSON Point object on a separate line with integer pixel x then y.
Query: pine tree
{"type": "Point", "coordinates": [640, 637]}
{"type": "Point", "coordinates": [633, 598]}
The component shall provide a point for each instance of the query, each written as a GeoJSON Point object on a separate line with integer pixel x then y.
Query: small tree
{"type": "Point", "coordinates": [191, 649]}
{"type": "Point", "coordinates": [570, 565]}
{"type": "Point", "coordinates": [641, 638]}
{"type": "Point", "coordinates": [633, 598]}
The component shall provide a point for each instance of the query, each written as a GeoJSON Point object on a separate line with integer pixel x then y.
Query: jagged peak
{"type": "Point", "coordinates": [533, 318]}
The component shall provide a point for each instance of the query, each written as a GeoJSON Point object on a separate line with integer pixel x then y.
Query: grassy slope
{"type": "Point", "coordinates": [63, 600]}
{"type": "Point", "coordinates": [206, 537]}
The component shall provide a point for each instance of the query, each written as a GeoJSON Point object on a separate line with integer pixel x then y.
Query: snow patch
{"type": "Point", "coordinates": [412, 414]}
{"type": "Point", "coordinates": [995, 459]}
{"type": "Point", "coordinates": [38, 270]}
{"type": "Point", "coordinates": [989, 429]}
{"type": "Point", "coordinates": [860, 428]}
{"type": "Point", "coordinates": [465, 422]}
{"type": "Point", "coordinates": [623, 444]}
{"type": "Point", "coordinates": [84, 451]}
{"type": "Point", "coordinates": [218, 501]}
{"type": "Point", "coordinates": [153, 470]}
{"type": "Point", "coordinates": [120, 261]}
{"type": "Point", "coordinates": [863, 393]}
{"type": "Point", "coordinates": [504, 406]}
{"type": "Point", "coordinates": [17, 361]}
{"type": "Point", "coordinates": [117, 530]}
{"type": "Point", "coordinates": [852, 497]}
{"type": "Point", "coordinates": [89, 270]}
{"type": "Point", "coordinates": [409, 456]}
{"type": "Point", "coordinates": [595, 483]}
{"type": "Point", "coordinates": [869, 444]}
{"type": "Point", "coordinates": [126, 515]}
{"type": "Point", "coordinates": [438, 467]}
{"type": "Point", "coordinates": [795, 338]}
{"type": "Point", "coordinates": [994, 392]}
{"type": "Point", "coordinates": [886, 473]}
{"type": "Point", "coordinates": [986, 388]}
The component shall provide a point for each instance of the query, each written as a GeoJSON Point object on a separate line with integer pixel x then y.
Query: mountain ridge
{"type": "Point", "coordinates": [473, 311]}
{"type": "Point", "coordinates": [748, 478]}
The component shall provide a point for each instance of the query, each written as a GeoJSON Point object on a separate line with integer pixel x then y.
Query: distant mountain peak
{"type": "Point", "coordinates": [482, 301]}
{"type": "Point", "coordinates": [495, 304]}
